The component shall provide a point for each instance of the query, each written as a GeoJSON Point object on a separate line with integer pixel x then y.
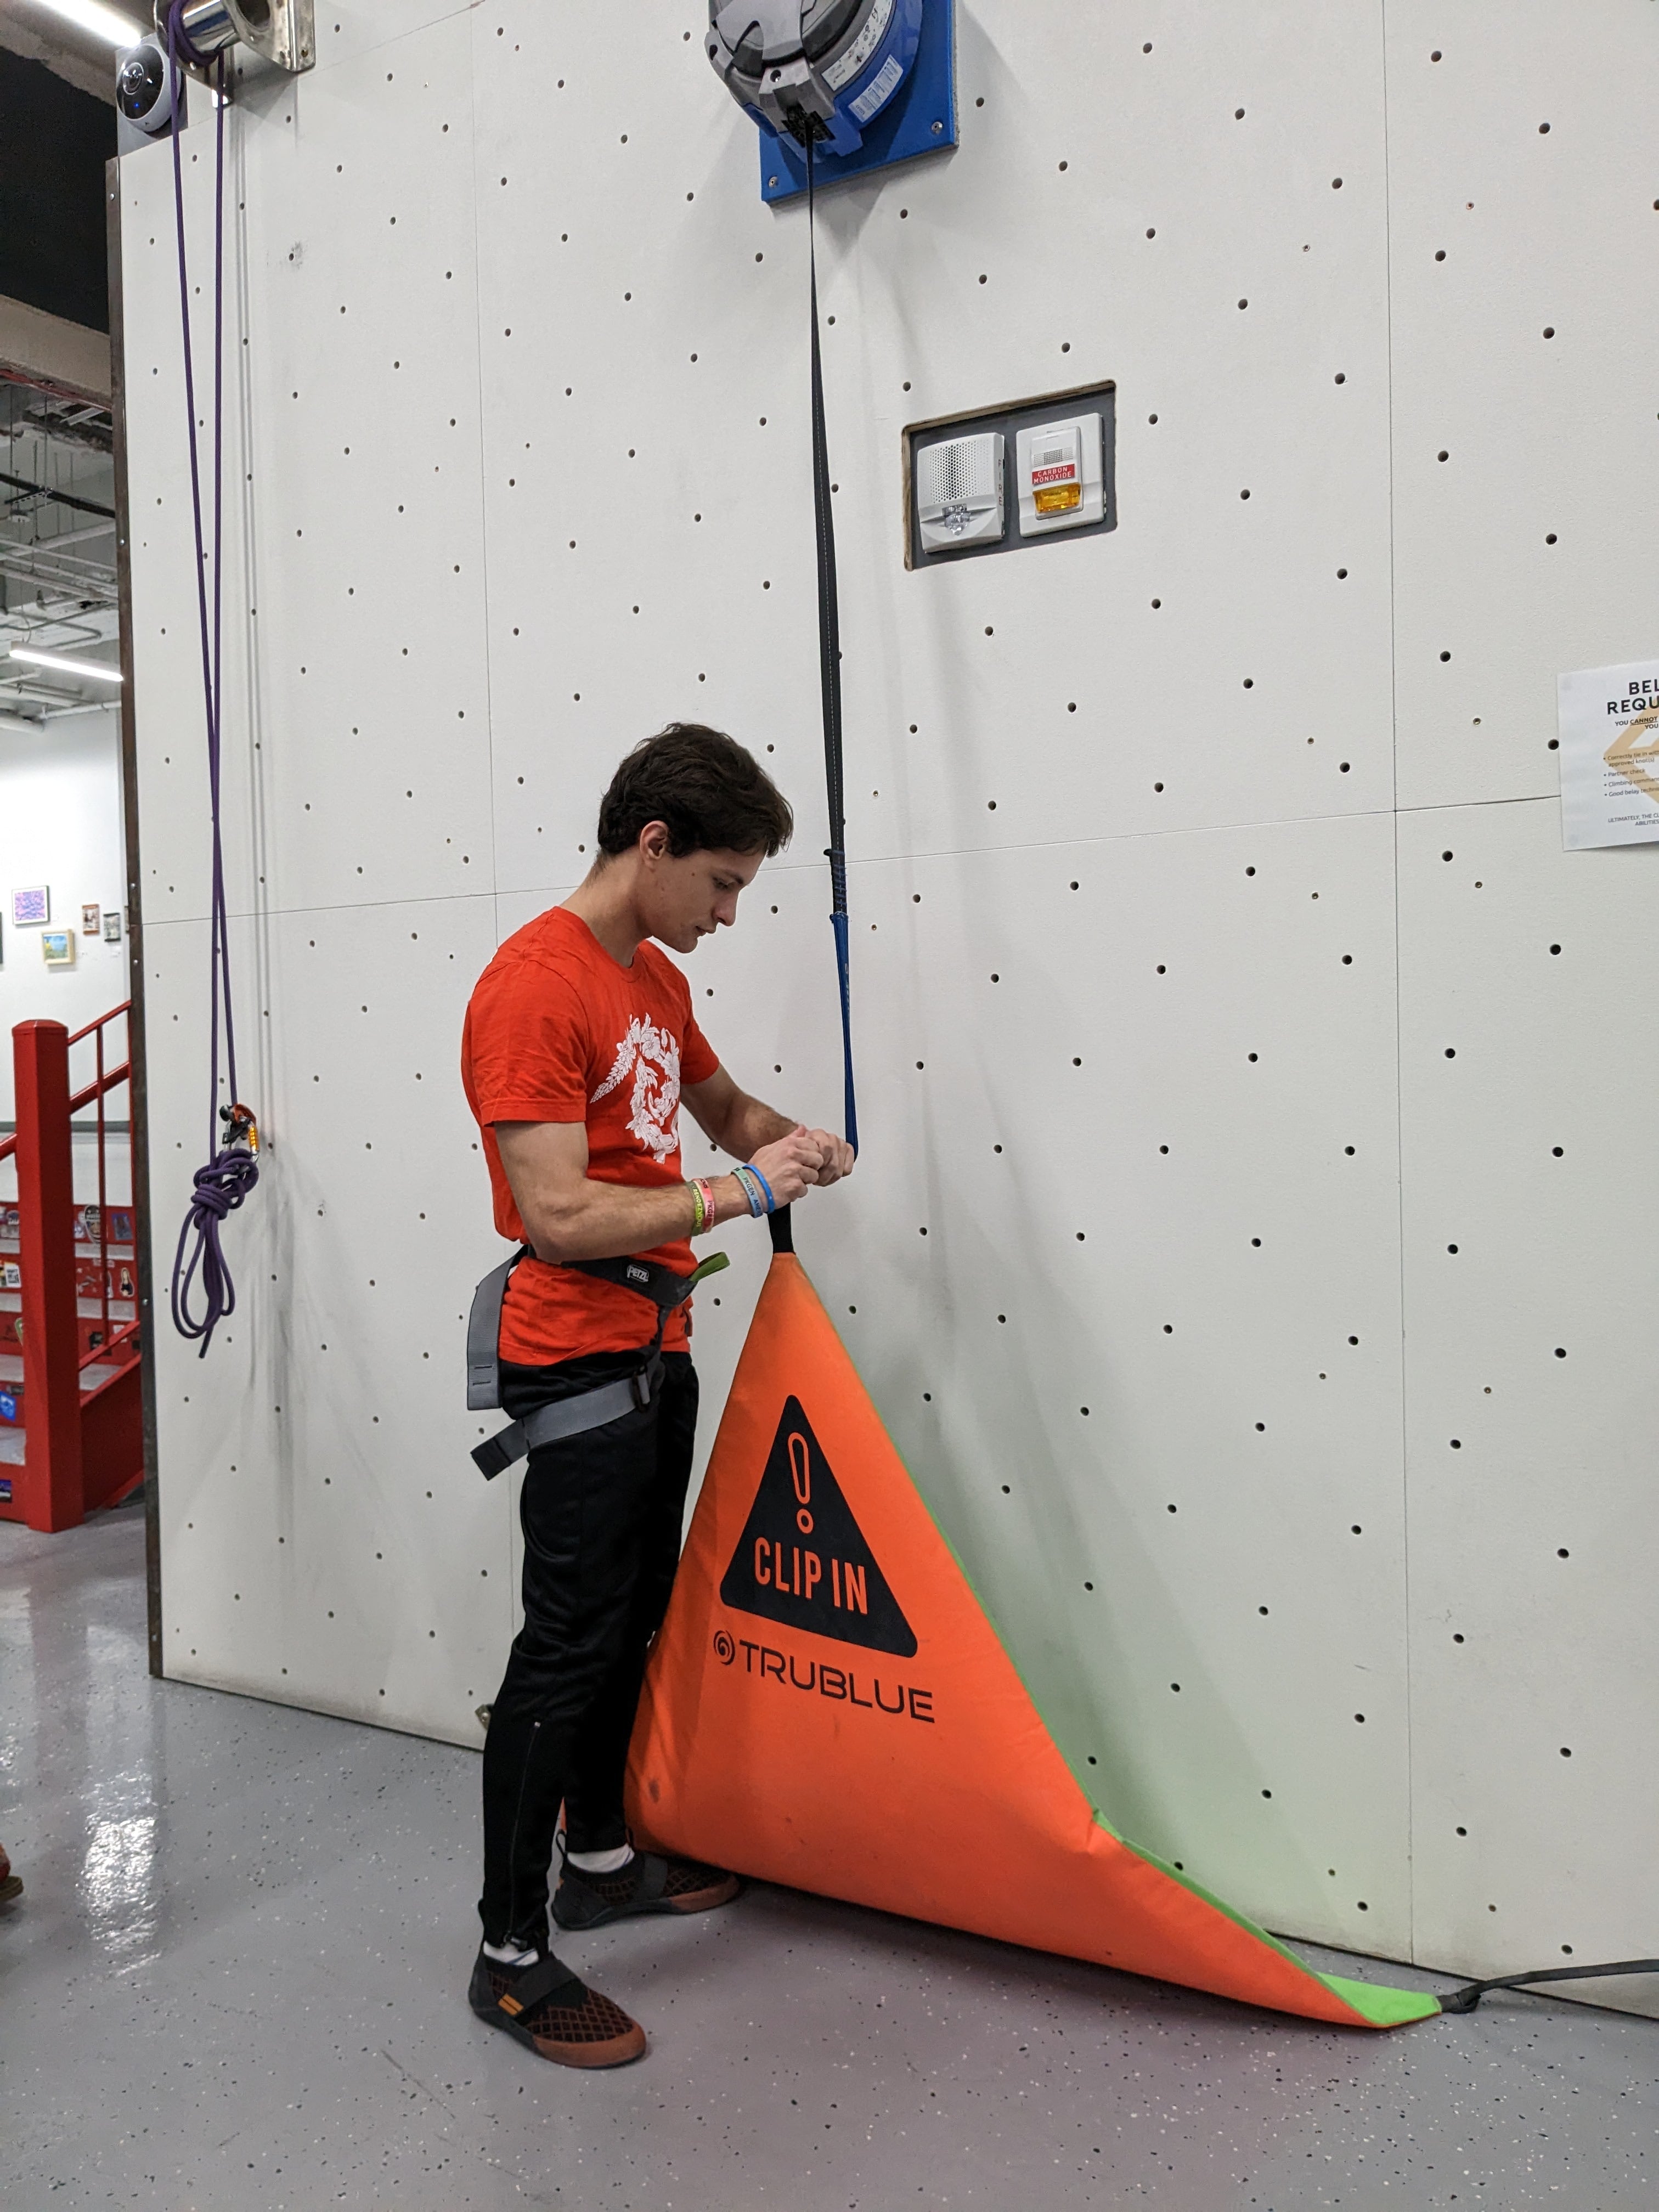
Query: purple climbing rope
{"type": "Point", "coordinates": [233, 1167]}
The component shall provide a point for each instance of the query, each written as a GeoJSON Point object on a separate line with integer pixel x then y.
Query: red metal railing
{"type": "Point", "coordinates": [83, 1431]}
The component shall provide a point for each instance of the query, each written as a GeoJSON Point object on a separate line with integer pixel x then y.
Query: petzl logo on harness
{"type": "Point", "coordinates": [802, 1561]}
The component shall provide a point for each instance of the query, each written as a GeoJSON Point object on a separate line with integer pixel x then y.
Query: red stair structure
{"type": "Point", "coordinates": [68, 1292]}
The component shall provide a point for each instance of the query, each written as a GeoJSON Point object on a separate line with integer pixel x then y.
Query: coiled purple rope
{"type": "Point", "coordinates": [232, 1168]}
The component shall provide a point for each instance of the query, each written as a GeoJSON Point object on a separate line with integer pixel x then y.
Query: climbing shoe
{"type": "Point", "coordinates": [548, 2009]}
{"type": "Point", "coordinates": [645, 1884]}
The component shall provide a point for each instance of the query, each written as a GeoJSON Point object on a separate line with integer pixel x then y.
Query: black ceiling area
{"type": "Point", "coordinates": [54, 141]}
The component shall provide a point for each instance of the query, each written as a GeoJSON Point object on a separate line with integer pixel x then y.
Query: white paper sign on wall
{"type": "Point", "coordinates": [1609, 733]}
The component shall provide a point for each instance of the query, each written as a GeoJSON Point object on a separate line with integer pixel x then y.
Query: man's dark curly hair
{"type": "Point", "coordinates": [714, 796]}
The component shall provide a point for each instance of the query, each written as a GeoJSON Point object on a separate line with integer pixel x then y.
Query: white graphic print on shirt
{"type": "Point", "coordinates": [651, 1056]}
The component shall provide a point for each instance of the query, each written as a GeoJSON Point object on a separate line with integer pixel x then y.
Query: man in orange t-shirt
{"type": "Point", "coordinates": [579, 1048]}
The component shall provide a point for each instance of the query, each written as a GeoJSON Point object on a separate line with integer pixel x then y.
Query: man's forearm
{"type": "Point", "coordinates": [750, 1125]}
{"type": "Point", "coordinates": [608, 1220]}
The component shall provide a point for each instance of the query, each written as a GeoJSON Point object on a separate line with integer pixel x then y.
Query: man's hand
{"type": "Point", "coordinates": [836, 1157]}
{"type": "Point", "coordinates": [792, 1164]}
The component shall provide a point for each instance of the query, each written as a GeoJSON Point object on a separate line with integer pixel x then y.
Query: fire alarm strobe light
{"type": "Point", "coordinates": [1062, 484]}
{"type": "Point", "coordinates": [959, 492]}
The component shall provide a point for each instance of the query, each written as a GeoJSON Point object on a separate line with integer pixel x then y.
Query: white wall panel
{"type": "Point", "coordinates": [366, 478]}
{"type": "Point", "coordinates": [327, 1539]}
{"type": "Point", "coordinates": [1524, 228]}
{"type": "Point", "coordinates": [568, 317]}
{"type": "Point", "coordinates": [346, 29]}
{"type": "Point", "coordinates": [1530, 1235]}
{"type": "Point", "coordinates": [175, 859]}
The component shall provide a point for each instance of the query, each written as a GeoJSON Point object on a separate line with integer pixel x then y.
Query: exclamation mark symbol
{"type": "Point", "coordinates": [801, 1473]}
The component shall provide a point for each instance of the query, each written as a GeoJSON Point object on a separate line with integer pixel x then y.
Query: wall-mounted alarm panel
{"type": "Point", "coordinates": [1010, 478]}
{"type": "Point", "coordinates": [1057, 467]}
{"type": "Point", "coordinates": [959, 491]}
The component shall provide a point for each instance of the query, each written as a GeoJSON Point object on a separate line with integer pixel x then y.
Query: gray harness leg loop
{"type": "Point", "coordinates": [588, 1409]}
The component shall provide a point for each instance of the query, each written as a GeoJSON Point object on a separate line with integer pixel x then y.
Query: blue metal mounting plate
{"type": "Point", "coordinates": [922, 120]}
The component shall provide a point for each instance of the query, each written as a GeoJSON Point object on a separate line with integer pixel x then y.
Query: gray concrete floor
{"type": "Point", "coordinates": [236, 1977]}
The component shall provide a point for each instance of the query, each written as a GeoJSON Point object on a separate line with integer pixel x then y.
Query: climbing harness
{"type": "Point", "coordinates": [233, 1167]}
{"type": "Point", "coordinates": [588, 1409]}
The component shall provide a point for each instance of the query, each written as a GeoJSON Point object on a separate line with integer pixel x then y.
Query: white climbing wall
{"type": "Point", "coordinates": [1207, 877]}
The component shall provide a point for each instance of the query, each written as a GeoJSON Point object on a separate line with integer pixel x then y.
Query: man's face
{"type": "Point", "coordinates": [688, 897]}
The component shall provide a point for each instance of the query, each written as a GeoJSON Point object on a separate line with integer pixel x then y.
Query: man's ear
{"type": "Point", "coordinates": [654, 841]}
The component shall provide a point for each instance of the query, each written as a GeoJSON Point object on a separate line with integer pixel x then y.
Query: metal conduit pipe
{"type": "Point", "coordinates": [280, 31]}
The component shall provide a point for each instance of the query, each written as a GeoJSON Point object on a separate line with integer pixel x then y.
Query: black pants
{"type": "Point", "coordinates": [602, 1515]}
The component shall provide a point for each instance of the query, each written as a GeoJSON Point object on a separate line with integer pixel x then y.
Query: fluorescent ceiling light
{"type": "Point", "coordinates": [102, 22]}
{"type": "Point", "coordinates": [59, 667]}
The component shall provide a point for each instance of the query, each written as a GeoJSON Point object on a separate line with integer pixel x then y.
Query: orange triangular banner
{"type": "Point", "coordinates": [829, 1706]}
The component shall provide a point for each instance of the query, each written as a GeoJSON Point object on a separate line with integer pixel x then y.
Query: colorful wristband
{"type": "Point", "coordinates": [751, 1185]}
{"type": "Point", "coordinates": [699, 1206]}
{"type": "Point", "coordinates": [771, 1202]}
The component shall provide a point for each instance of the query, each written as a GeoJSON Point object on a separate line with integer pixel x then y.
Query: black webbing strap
{"type": "Point", "coordinates": [1466, 1998]}
{"type": "Point", "coordinates": [549, 1977]}
{"type": "Point", "coordinates": [829, 670]}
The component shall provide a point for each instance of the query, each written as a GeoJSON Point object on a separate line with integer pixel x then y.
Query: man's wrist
{"type": "Point", "coordinates": [730, 1203]}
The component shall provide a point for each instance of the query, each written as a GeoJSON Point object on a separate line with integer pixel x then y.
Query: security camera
{"type": "Point", "coordinates": [149, 94]}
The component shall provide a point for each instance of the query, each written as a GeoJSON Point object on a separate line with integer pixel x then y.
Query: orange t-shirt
{"type": "Point", "coordinates": [557, 1031]}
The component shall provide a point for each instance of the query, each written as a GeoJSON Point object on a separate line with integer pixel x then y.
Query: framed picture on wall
{"type": "Point", "coordinates": [58, 948]}
{"type": "Point", "coordinates": [91, 920]}
{"type": "Point", "coordinates": [30, 906]}
{"type": "Point", "coordinates": [111, 927]}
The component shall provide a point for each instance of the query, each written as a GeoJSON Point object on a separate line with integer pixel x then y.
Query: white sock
{"type": "Point", "coordinates": [601, 1862]}
{"type": "Point", "coordinates": [511, 1955]}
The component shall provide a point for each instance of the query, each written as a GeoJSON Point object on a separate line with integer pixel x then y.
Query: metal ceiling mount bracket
{"type": "Point", "coordinates": [283, 32]}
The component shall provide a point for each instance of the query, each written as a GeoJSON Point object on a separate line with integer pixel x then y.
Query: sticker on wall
{"type": "Point", "coordinates": [91, 920]}
{"type": "Point", "coordinates": [30, 906]}
{"type": "Point", "coordinates": [908, 1770]}
{"type": "Point", "coordinates": [58, 948]}
{"type": "Point", "coordinates": [1609, 744]}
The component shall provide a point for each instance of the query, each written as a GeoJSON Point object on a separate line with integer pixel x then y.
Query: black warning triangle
{"type": "Point", "coordinates": [802, 1560]}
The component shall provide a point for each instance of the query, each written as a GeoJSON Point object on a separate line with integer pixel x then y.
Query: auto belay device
{"type": "Point", "coordinates": [837, 63]}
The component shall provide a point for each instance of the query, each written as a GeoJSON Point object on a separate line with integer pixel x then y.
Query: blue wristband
{"type": "Point", "coordinates": [771, 1202]}
{"type": "Point", "coordinates": [748, 1184]}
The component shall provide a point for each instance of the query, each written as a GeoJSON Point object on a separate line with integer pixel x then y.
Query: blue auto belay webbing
{"type": "Point", "coordinates": [829, 671]}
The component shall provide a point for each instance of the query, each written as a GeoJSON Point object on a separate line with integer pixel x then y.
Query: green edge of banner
{"type": "Point", "coordinates": [1376, 2001]}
